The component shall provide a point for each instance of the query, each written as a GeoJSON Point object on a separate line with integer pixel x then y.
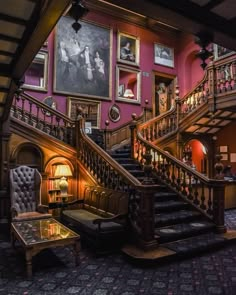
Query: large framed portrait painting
{"type": "Point", "coordinates": [82, 64]}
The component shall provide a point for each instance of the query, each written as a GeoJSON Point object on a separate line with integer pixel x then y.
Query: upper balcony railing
{"type": "Point", "coordinates": [38, 115]}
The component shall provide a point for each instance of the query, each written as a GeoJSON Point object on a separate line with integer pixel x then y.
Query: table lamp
{"type": "Point", "coordinates": [63, 171]}
{"type": "Point", "coordinates": [128, 93]}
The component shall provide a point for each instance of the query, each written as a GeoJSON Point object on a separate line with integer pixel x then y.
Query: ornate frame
{"type": "Point", "coordinates": [40, 81]}
{"type": "Point", "coordinates": [72, 75]}
{"type": "Point", "coordinates": [130, 78]}
{"type": "Point", "coordinates": [134, 47]}
{"type": "Point", "coordinates": [91, 110]}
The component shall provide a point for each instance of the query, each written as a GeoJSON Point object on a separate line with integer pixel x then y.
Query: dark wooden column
{"type": "Point", "coordinates": [4, 172]}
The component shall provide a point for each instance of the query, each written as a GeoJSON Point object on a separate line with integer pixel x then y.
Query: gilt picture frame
{"type": "Point", "coordinates": [128, 48]}
{"type": "Point", "coordinates": [91, 110]}
{"type": "Point", "coordinates": [82, 65]}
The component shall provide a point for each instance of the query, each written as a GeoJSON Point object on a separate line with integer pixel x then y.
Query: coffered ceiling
{"type": "Point", "coordinates": [212, 123]}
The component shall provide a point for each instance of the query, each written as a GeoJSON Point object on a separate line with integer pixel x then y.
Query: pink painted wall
{"type": "Point", "coordinates": [186, 67]}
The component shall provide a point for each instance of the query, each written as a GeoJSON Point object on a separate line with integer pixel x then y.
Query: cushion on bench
{"type": "Point", "coordinates": [86, 219]}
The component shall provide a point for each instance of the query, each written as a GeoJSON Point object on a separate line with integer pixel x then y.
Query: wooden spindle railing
{"type": "Point", "coordinates": [207, 195]}
{"type": "Point", "coordinates": [40, 116]}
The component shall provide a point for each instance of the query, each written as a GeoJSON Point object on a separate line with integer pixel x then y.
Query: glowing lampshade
{"type": "Point", "coordinates": [128, 93]}
{"type": "Point", "coordinates": [63, 171]}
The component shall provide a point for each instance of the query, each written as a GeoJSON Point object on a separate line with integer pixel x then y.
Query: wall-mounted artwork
{"type": "Point", "coordinates": [163, 55]}
{"type": "Point", "coordinates": [83, 59]}
{"type": "Point", "coordinates": [114, 113]}
{"type": "Point", "coordinates": [49, 101]}
{"type": "Point", "coordinates": [36, 76]}
{"type": "Point", "coordinates": [91, 110]}
{"type": "Point", "coordinates": [128, 49]}
{"type": "Point", "coordinates": [128, 86]}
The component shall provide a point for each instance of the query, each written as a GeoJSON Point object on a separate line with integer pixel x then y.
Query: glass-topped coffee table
{"type": "Point", "coordinates": [36, 235]}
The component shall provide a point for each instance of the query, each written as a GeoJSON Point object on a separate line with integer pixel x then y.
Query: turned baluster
{"type": "Point", "coordinates": [203, 206]}
{"type": "Point", "coordinates": [37, 118]}
{"type": "Point", "coordinates": [23, 109]}
{"type": "Point", "coordinates": [234, 74]}
{"type": "Point", "coordinates": [15, 112]}
{"type": "Point", "coordinates": [30, 120]}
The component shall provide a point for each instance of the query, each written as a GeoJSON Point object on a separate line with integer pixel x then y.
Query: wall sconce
{"type": "Point", "coordinates": [128, 93]}
{"type": "Point", "coordinates": [77, 11]}
{"type": "Point", "coordinates": [63, 171]}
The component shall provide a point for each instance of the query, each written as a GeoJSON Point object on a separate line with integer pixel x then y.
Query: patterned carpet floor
{"type": "Point", "coordinates": [54, 272]}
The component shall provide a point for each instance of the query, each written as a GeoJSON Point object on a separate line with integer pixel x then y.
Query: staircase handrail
{"type": "Point", "coordinates": [207, 195]}
{"type": "Point", "coordinates": [100, 163]}
{"type": "Point", "coordinates": [120, 134]}
{"type": "Point", "coordinates": [44, 118]}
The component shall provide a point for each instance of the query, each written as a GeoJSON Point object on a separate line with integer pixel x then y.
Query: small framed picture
{"type": "Point", "coordinates": [224, 157]}
{"type": "Point", "coordinates": [223, 149]}
{"type": "Point", "coordinates": [163, 55]}
{"type": "Point", "coordinates": [128, 49]}
{"type": "Point", "coordinates": [114, 113]}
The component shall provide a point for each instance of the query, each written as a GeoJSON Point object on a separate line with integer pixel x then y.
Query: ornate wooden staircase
{"type": "Point", "coordinates": [180, 204]}
{"type": "Point", "coordinates": [179, 228]}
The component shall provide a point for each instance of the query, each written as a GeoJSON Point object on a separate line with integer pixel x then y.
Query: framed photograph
{"type": "Point", "coordinates": [224, 157]}
{"type": "Point", "coordinates": [91, 111]}
{"type": "Point", "coordinates": [128, 49]}
{"type": "Point", "coordinates": [220, 51]}
{"type": "Point", "coordinates": [232, 157]}
{"type": "Point", "coordinates": [82, 64]}
{"type": "Point", "coordinates": [128, 88]}
{"type": "Point", "coordinates": [114, 113]}
{"type": "Point", "coordinates": [163, 55]}
{"type": "Point", "coordinates": [223, 149]}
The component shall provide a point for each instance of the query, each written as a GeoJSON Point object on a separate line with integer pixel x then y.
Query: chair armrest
{"type": "Point", "coordinates": [14, 212]}
{"type": "Point", "coordinates": [42, 208]}
{"type": "Point", "coordinates": [119, 217]}
{"type": "Point", "coordinates": [81, 201]}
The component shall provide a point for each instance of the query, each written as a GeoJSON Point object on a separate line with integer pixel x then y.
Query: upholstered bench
{"type": "Point", "coordinates": [101, 219]}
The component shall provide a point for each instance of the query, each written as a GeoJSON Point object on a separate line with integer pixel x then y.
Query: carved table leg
{"type": "Point", "coordinates": [76, 251]}
{"type": "Point", "coordinates": [28, 256]}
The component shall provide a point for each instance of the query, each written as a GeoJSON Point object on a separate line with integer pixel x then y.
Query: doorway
{"type": "Point", "coordinates": [163, 89]}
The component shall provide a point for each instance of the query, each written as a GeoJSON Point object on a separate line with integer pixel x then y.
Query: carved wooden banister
{"type": "Point", "coordinates": [120, 134]}
{"type": "Point", "coordinates": [205, 194]}
{"type": "Point", "coordinates": [42, 117]}
{"type": "Point", "coordinates": [100, 164]}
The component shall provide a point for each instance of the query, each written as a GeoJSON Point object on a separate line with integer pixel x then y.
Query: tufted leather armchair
{"type": "Point", "coordinates": [25, 193]}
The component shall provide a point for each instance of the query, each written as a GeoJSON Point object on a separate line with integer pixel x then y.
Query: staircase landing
{"type": "Point", "coordinates": [180, 249]}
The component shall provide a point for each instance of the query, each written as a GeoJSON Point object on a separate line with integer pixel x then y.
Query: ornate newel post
{"type": "Point", "coordinates": [219, 167]}
{"type": "Point", "coordinates": [178, 109]}
{"type": "Point", "coordinates": [219, 196]}
{"type": "Point", "coordinates": [147, 167]}
{"type": "Point", "coordinates": [146, 237]}
{"type": "Point", "coordinates": [133, 133]}
{"type": "Point", "coordinates": [105, 134]}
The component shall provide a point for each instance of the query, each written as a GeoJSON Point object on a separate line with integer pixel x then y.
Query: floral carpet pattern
{"type": "Point", "coordinates": [54, 272]}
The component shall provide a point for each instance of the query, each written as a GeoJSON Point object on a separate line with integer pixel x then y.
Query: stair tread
{"type": "Point", "coordinates": [181, 228]}
{"type": "Point", "coordinates": [170, 204]}
{"type": "Point", "coordinates": [175, 217]}
{"type": "Point", "coordinates": [196, 243]}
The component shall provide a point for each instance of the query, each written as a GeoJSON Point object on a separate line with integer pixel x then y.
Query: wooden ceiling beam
{"type": "Point", "coordinates": [12, 19]}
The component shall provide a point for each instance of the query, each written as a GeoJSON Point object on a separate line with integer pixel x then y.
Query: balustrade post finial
{"type": "Point", "coordinates": [105, 134]}
{"type": "Point", "coordinates": [219, 167]}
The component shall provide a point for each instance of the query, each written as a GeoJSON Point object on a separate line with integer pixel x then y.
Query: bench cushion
{"type": "Point", "coordinates": [86, 219]}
